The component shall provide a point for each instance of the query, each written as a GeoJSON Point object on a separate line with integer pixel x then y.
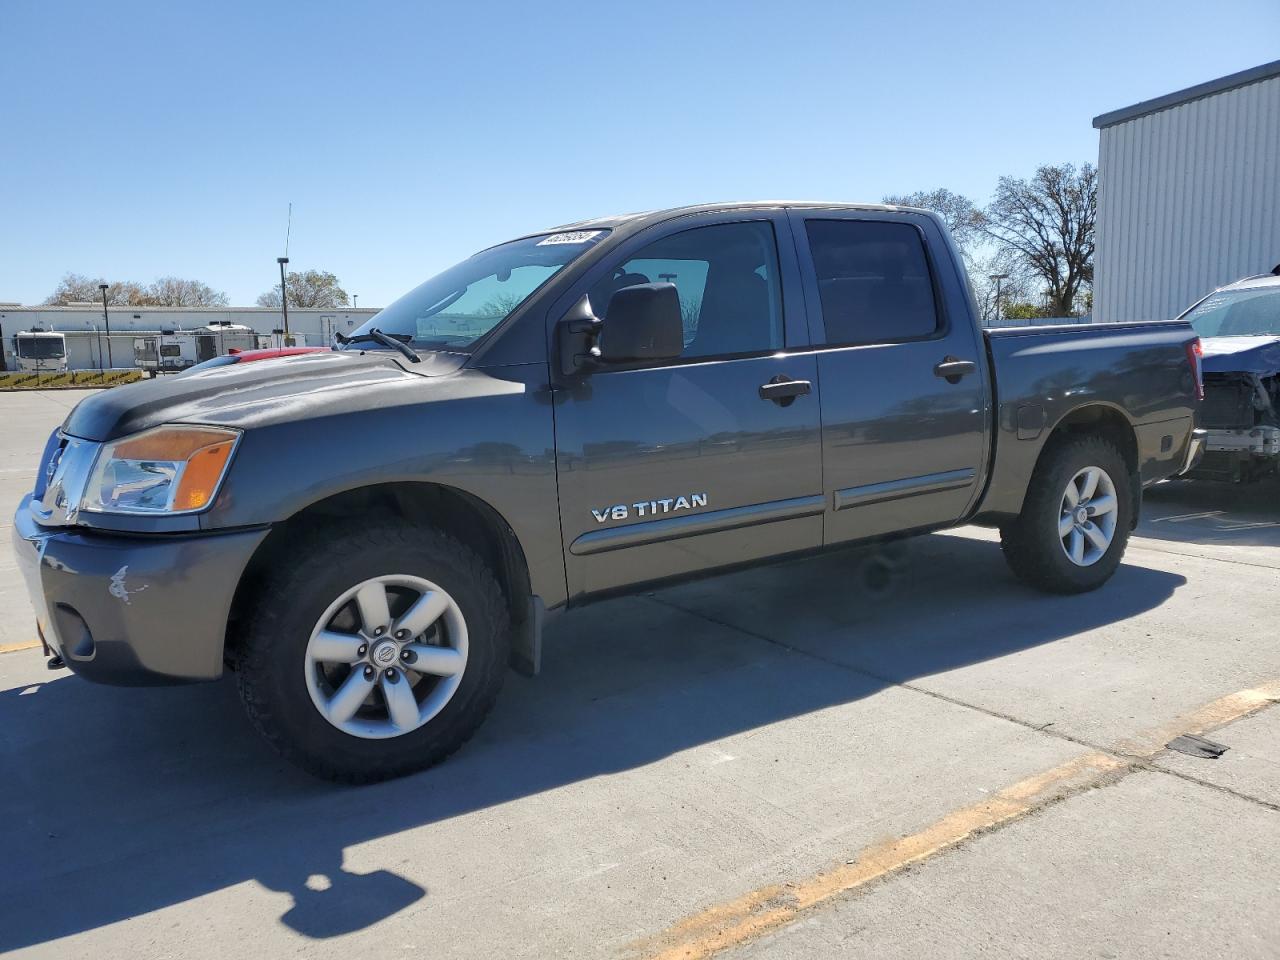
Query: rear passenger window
{"type": "Point", "coordinates": [873, 280]}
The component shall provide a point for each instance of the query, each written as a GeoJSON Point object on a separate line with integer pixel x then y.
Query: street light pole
{"type": "Point", "coordinates": [107, 322]}
{"type": "Point", "coordinates": [284, 295]}
{"type": "Point", "coordinates": [997, 277]}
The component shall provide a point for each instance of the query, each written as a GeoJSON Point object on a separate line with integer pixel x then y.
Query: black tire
{"type": "Point", "coordinates": [1032, 545]}
{"type": "Point", "coordinates": [291, 599]}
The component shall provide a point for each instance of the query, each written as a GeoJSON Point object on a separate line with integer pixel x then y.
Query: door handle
{"type": "Point", "coordinates": [783, 391]}
{"type": "Point", "coordinates": [951, 369]}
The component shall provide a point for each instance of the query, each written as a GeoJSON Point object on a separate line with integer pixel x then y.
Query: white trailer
{"type": "Point", "coordinates": [168, 351]}
{"type": "Point", "coordinates": [220, 337]}
{"type": "Point", "coordinates": [172, 351]}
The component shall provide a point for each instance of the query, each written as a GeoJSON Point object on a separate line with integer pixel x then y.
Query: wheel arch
{"type": "Point", "coordinates": [1110, 422]}
{"type": "Point", "coordinates": [456, 512]}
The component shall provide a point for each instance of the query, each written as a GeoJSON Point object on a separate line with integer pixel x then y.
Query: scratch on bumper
{"type": "Point", "coordinates": [133, 610]}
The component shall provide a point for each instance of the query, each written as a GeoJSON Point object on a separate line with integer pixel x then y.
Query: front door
{"type": "Point", "coordinates": [902, 371]}
{"type": "Point", "coordinates": [689, 465]}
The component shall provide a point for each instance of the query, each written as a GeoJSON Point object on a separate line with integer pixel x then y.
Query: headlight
{"type": "Point", "coordinates": [172, 469]}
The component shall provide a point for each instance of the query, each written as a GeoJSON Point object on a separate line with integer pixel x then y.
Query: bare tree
{"type": "Point", "coordinates": [176, 292]}
{"type": "Point", "coordinates": [310, 288]}
{"type": "Point", "coordinates": [962, 218]}
{"type": "Point", "coordinates": [165, 292]}
{"type": "Point", "coordinates": [1015, 286]}
{"type": "Point", "coordinates": [77, 288]}
{"type": "Point", "coordinates": [501, 305]}
{"type": "Point", "coordinates": [1046, 225]}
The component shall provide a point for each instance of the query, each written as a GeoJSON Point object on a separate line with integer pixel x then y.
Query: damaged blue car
{"type": "Point", "coordinates": [1239, 328]}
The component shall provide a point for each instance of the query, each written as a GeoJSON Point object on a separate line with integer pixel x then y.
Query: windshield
{"type": "Point", "coordinates": [1237, 313]}
{"type": "Point", "coordinates": [454, 309]}
{"type": "Point", "coordinates": [41, 348]}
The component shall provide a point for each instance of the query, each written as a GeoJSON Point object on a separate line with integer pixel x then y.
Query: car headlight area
{"type": "Point", "coordinates": [169, 469]}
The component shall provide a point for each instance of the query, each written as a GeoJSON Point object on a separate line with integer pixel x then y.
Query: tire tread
{"type": "Point", "coordinates": [1029, 547]}
{"type": "Point", "coordinates": [265, 625]}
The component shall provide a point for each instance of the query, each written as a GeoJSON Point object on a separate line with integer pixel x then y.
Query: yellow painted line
{"type": "Point", "coordinates": [15, 647]}
{"type": "Point", "coordinates": [1222, 711]}
{"type": "Point", "coordinates": [727, 925]}
{"type": "Point", "coordinates": [731, 924]}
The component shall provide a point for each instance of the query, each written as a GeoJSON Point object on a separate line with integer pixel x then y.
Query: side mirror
{"type": "Point", "coordinates": [643, 323]}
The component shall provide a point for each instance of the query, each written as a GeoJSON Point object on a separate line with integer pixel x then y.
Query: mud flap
{"type": "Point", "coordinates": [526, 640]}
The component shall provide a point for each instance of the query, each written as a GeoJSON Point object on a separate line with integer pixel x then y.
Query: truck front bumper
{"type": "Point", "coordinates": [132, 610]}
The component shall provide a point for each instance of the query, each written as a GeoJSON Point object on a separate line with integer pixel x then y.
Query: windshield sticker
{"type": "Point", "coordinates": [573, 236]}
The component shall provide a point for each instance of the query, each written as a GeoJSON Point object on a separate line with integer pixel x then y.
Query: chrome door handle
{"type": "Point", "coordinates": [951, 369]}
{"type": "Point", "coordinates": [783, 391]}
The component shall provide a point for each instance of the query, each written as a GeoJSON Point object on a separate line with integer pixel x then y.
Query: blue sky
{"type": "Point", "coordinates": [143, 140]}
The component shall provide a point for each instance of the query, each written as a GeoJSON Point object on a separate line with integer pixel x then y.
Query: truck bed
{"type": "Point", "coordinates": [1135, 371]}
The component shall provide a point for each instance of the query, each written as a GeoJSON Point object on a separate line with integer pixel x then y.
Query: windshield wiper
{"type": "Point", "coordinates": [394, 341]}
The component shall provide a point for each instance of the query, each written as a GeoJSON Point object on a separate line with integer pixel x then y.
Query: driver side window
{"type": "Point", "coordinates": [727, 279]}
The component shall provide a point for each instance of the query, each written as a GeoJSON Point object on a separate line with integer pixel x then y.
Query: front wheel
{"type": "Point", "coordinates": [1075, 520]}
{"type": "Point", "coordinates": [377, 652]}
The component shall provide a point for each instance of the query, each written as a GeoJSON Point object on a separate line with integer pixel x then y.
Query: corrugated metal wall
{"type": "Point", "coordinates": [1188, 199]}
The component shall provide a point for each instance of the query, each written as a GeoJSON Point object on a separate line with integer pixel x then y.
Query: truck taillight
{"type": "Point", "coordinates": [1195, 356]}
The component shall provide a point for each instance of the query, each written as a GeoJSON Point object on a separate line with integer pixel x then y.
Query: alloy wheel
{"type": "Point", "coordinates": [386, 656]}
{"type": "Point", "coordinates": [1087, 521]}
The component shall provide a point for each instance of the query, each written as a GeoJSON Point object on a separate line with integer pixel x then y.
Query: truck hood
{"type": "Point", "coordinates": [1259, 355]}
{"type": "Point", "coordinates": [251, 394]}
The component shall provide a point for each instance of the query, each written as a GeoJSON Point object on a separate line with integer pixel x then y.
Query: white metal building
{"type": "Point", "coordinates": [1188, 195]}
{"type": "Point", "coordinates": [314, 327]}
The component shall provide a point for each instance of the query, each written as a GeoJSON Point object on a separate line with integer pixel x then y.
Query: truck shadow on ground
{"type": "Point", "coordinates": [117, 802]}
{"type": "Point", "coordinates": [1199, 511]}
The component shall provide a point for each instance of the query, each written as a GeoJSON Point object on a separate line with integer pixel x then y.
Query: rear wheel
{"type": "Point", "coordinates": [1074, 525]}
{"type": "Point", "coordinates": [377, 653]}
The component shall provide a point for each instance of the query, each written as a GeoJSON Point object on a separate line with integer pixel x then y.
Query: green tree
{"type": "Point", "coordinates": [1023, 310]}
{"type": "Point", "coordinates": [310, 288]}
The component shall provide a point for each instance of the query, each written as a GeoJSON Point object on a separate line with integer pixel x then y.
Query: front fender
{"type": "Point", "coordinates": [490, 436]}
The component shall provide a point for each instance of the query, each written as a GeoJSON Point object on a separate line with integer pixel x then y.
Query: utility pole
{"type": "Point", "coordinates": [998, 277]}
{"type": "Point", "coordinates": [284, 294]}
{"type": "Point", "coordinates": [107, 322]}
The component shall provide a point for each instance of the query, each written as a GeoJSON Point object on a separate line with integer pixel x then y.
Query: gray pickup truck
{"type": "Point", "coordinates": [368, 537]}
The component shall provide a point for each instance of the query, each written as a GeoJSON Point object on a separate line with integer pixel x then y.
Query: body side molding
{"type": "Point", "coordinates": [691, 525]}
{"type": "Point", "coordinates": [907, 487]}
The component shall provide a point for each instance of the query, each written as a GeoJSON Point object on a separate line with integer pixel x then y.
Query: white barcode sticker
{"type": "Point", "coordinates": [573, 236]}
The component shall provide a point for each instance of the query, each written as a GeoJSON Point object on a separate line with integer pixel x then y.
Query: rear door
{"type": "Point", "coordinates": [689, 465]}
{"type": "Point", "coordinates": [901, 369]}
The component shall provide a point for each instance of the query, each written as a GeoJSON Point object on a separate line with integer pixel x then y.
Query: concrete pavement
{"type": "Point", "coordinates": [687, 748]}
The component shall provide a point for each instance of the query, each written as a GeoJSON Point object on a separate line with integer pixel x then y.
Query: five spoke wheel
{"type": "Point", "coordinates": [386, 656]}
{"type": "Point", "coordinates": [1087, 523]}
